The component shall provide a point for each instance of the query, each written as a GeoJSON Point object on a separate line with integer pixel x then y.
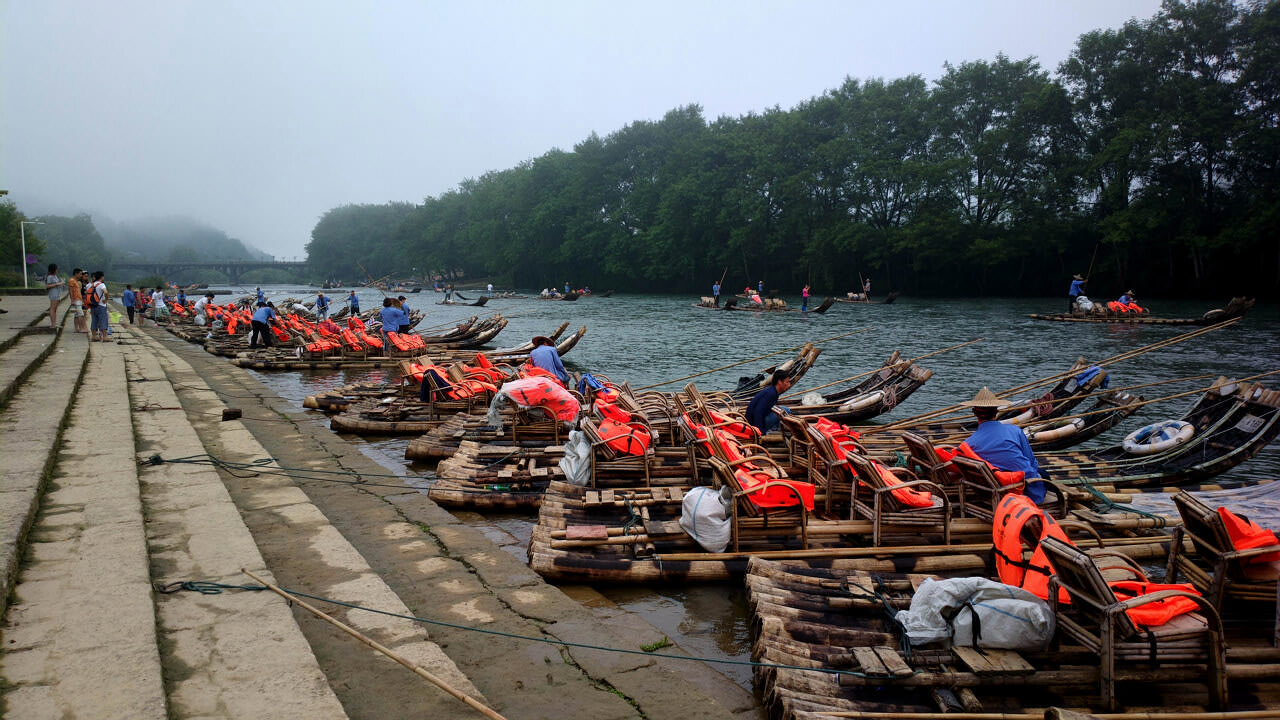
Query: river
{"type": "Point", "coordinates": [649, 339]}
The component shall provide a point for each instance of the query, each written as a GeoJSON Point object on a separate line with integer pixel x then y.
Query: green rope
{"type": "Point", "coordinates": [1105, 504]}
{"type": "Point", "coordinates": [212, 588]}
{"type": "Point", "coordinates": [263, 466]}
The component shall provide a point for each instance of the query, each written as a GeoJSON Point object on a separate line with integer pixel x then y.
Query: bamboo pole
{"type": "Point", "coordinates": [906, 422]}
{"type": "Point", "coordinates": [982, 549]}
{"type": "Point", "coordinates": [1053, 714]}
{"type": "Point", "coordinates": [418, 670]}
{"type": "Point", "coordinates": [743, 362]}
{"type": "Point", "coordinates": [872, 372]}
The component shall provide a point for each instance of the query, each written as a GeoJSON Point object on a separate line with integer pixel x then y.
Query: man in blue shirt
{"type": "Point", "coordinates": [322, 307]}
{"type": "Point", "coordinates": [715, 292]}
{"type": "Point", "coordinates": [354, 302]}
{"type": "Point", "coordinates": [760, 410]}
{"type": "Point", "coordinates": [1003, 445]}
{"type": "Point", "coordinates": [128, 298]}
{"type": "Point", "coordinates": [182, 298]}
{"type": "Point", "coordinates": [262, 318]}
{"type": "Point", "coordinates": [544, 355]}
{"type": "Point", "coordinates": [262, 299]}
{"type": "Point", "coordinates": [1077, 289]}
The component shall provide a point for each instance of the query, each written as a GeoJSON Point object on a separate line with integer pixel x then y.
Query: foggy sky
{"type": "Point", "coordinates": [257, 117]}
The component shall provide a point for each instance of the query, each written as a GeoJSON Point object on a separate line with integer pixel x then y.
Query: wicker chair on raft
{"type": "Point", "coordinates": [1104, 623]}
{"type": "Point", "coordinates": [629, 447]}
{"type": "Point", "coordinates": [982, 488]}
{"type": "Point", "coordinates": [1223, 573]}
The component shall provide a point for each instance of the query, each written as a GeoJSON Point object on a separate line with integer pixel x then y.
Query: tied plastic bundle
{"type": "Point", "coordinates": [1009, 618]}
{"type": "Point", "coordinates": [530, 392]}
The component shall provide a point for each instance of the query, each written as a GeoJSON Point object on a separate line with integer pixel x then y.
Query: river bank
{"type": "Point", "coordinates": [322, 519]}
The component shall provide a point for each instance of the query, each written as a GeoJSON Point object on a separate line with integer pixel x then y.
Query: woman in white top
{"type": "Point", "coordinates": [56, 287]}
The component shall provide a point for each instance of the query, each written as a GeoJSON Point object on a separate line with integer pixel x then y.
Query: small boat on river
{"type": "Point", "coordinates": [1237, 307]}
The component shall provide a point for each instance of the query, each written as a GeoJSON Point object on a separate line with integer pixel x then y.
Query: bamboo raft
{"type": "Point", "coordinates": [1236, 308]}
{"type": "Point", "coordinates": [828, 649]}
{"type": "Point", "coordinates": [276, 361]}
{"type": "Point", "coordinates": [861, 299]}
{"type": "Point", "coordinates": [888, 387]}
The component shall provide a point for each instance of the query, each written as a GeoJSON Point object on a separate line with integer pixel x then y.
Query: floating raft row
{"type": "Point", "coordinates": [1236, 308]}
{"type": "Point", "coordinates": [827, 648]}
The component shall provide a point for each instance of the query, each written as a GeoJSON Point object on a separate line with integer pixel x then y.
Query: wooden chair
{"type": "Point", "coordinates": [606, 458]}
{"type": "Point", "coordinates": [745, 505]}
{"type": "Point", "coordinates": [942, 472]}
{"type": "Point", "coordinates": [1098, 620]}
{"type": "Point", "coordinates": [795, 432]}
{"type": "Point", "coordinates": [980, 491]}
{"type": "Point", "coordinates": [435, 392]}
{"type": "Point", "coordinates": [1217, 569]}
{"type": "Point", "coordinates": [887, 508]}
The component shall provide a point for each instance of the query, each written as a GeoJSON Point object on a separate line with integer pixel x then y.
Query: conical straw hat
{"type": "Point", "coordinates": [985, 398]}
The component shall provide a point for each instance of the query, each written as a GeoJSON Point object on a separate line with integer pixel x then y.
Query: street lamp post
{"type": "Point", "coordinates": [22, 230]}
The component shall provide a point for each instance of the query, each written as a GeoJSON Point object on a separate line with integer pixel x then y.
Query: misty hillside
{"type": "Point", "coordinates": [172, 238]}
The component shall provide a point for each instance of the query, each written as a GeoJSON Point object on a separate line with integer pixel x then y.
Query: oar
{"type": "Point", "coordinates": [743, 362]}
{"type": "Point", "coordinates": [872, 372]}
{"type": "Point", "coordinates": [372, 282]}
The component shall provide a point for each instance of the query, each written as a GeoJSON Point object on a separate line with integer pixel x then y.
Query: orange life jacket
{"type": "Point", "coordinates": [905, 495]}
{"type": "Point", "coordinates": [1245, 534]}
{"type": "Point", "coordinates": [355, 323]}
{"type": "Point", "coordinates": [750, 478]}
{"type": "Point", "coordinates": [1154, 614]}
{"type": "Point", "coordinates": [400, 341]}
{"type": "Point", "coordinates": [232, 322]}
{"type": "Point", "coordinates": [735, 428]}
{"type": "Point", "coordinates": [841, 435]}
{"type": "Point", "coordinates": [529, 370]}
{"type": "Point", "coordinates": [351, 340]}
{"type": "Point", "coordinates": [375, 342]}
{"type": "Point", "coordinates": [322, 346]}
{"type": "Point", "coordinates": [1012, 514]}
{"type": "Point", "coordinates": [628, 438]}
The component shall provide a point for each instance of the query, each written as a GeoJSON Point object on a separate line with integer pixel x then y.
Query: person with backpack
{"type": "Point", "coordinates": [96, 299]}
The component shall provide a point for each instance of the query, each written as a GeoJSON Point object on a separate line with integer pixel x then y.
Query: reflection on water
{"type": "Point", "coordinates": [654, 338]}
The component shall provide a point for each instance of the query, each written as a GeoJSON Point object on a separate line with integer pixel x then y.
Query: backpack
{"type": "Point", "coordinates": [91, 297]}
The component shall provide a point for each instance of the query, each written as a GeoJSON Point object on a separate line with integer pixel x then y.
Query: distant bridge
{"type": "Point", "coordinates": [232, 268]}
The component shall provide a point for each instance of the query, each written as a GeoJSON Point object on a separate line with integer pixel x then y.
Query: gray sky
{"type": "Point", "coordinates": [257, 117]}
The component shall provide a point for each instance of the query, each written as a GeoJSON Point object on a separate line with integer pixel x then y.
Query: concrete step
{"type": "Point", "coordinates": [332, 567]}
{"type": "Point", "coordinates": [234, 654]}
{"type": "Point", "coordinates": [31, 426]}
{"type": "Point", "coordinates": [79, 637]}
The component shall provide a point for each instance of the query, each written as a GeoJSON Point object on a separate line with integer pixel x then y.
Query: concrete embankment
{"type": "Point", "coordinates": [119, 475]}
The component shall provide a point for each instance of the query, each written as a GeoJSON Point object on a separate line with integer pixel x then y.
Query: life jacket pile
{"type": "Point", "coordinates": [406, 342]}
{"type": "Point", "coordinates": [751, 476]}
{"type": "Point", "coordinates": [1005, 477]}
{"type": "Point", "coordinates": [484, 368]}
{"type": "Point", "coordinates": [357, 326]}
{"type": "Point", "coordinates": [1117, 306]}
{"type": "Point", "coordinates": [843, 439]}
{"type": "Point", "coordinates": [1246, 535]}
{"type": "Point", "coordinates": [623, 431]}
{"type": "Point", "coordinates": [529, 370]}
{"type": "Point", "coordinates": [1032, 575]}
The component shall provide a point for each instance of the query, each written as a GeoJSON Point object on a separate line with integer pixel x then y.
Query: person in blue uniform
{"type": "Point", "coordinates": [1003, 445]}
{"type": "Point", "coordinates": [760, 410]}
{"type": "Point", "coordinates": [322, 307]}
{"type": "Point", "coordinates": [354, 303]}
{"type": "Point", "coordinates": [715, 292]}
{"type": "Point", "coordinates": [545, 356]}
{"type": "Point", "coordinates": [262, 318]}
{"type": "Point", "coordinates": [262, 299]}
{"type": "Point", "coordinates": [404, 313]}
{"type": "Point", "coordinates": [392, 316]}
{"type": "Point", "coordinates": [1077, 289]}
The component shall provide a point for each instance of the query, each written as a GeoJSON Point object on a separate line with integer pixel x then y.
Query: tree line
{"type": "Point", "coordinates": [1149, 158]}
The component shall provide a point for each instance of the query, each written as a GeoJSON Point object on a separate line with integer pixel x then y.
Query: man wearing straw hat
{"type": "Point", "coordinates": [1077, 289]}
{"type": "Point", "coordinates": [1004, 446]}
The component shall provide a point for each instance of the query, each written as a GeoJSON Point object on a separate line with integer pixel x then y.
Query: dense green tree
{"type": "Point", "coordinates": [74, 242]}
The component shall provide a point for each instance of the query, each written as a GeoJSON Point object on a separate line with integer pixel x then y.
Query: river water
{"type": "Point", "coordinates": [648, 339]}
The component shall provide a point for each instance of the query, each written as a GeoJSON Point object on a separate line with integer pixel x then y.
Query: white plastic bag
{"type": "Point", "coordinates": [576, 462]}
{"type": "Point", "coordinates": [705, 516]}
{"type": "Point", "coordinates": [1009, 617]}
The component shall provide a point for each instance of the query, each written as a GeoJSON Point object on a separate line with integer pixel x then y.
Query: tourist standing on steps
{"type": "Point", "coordinates": [129, 299]}
{"type": "Point", "coordinates": [55, 287]}
{"type": "Point", "coordinates": [97, 300]}
{"type": "Point", "coordinates": [262, 318]}
{"type": "Point", "coordinates": [75, 290]}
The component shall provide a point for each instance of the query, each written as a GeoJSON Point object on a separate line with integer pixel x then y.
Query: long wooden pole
{"type": "Point", "coordinates": [872, 372]}
{"type": "Point", "coordinates": [371, 280]}
{"type": "Point", "coordinates": [1058, 376]}
{"type": "Point", "coordinates": [1053, 714]}
{"type": "Point", "coordinates": [743, 362]}
{"type": "Point", "coordinates": [418, 670]}
{"type": "Point", "coordinates": [1089, 273]}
